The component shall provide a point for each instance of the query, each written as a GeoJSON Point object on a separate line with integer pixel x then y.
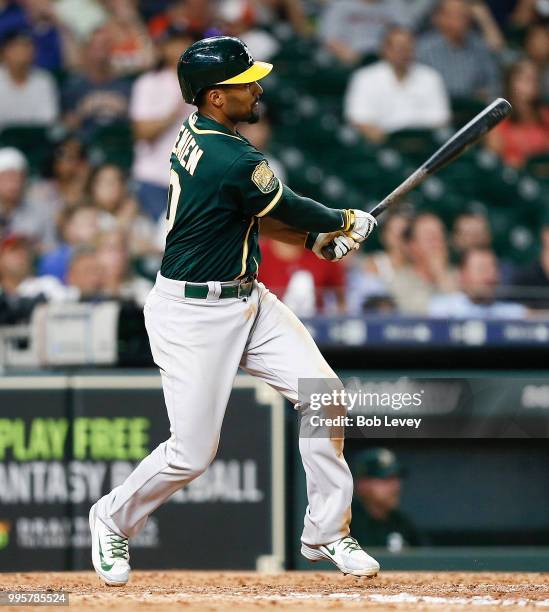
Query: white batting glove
{"type": "Point", "coordinates": [358, 224]}
{"type": "Point", "coordinates": [340, 244]}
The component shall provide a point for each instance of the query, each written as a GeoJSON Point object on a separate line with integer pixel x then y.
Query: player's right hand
{"type": "Point", "coordinates": [358, 224]}
{"type": "Point", "coordinates": [339, 244]}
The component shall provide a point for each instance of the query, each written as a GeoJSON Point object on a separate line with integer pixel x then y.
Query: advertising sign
{"type": "Point", "coordinates": [66, 441]}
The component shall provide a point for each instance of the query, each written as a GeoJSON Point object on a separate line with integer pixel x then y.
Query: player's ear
{"type": "Point", "coordinates": [216, 97]}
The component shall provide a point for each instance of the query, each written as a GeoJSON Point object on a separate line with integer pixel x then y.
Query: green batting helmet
{"type": "Point", "coordinates": [221, 60]}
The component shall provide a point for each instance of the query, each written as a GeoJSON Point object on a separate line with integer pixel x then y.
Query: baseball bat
{"type": "Point", "coordinates": [450, 150]}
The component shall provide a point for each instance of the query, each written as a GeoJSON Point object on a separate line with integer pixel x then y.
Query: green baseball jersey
{"type": "Point", "coordinates": [220, 186]}
{"type": "Point", "coordinates": [375, 532]}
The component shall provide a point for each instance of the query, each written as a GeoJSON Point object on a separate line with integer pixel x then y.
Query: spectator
{"type": "Point", "coordinates": [377, 519]}
{"type": "Point", "coordinates": [54, 44]}
{"type": "Point", "coordinates": [463, 58]}
{"type": "Point", "coordinates": [194, 16]}
{"type": "Point", "coordinates": [470, 230]}
{"type": "Point", "coordinates": [428, 271]}
{"type": "Point", "coordinates": [28, 96]}
{"type": "Point", "coordinates": [14, 267]}
{"type": "Point", "coordinates": [65, 178]}
{"type": "Point", "coordinates": [108, 193]}
{"type": "Point", "coordinates": [485, 21]}
{"type": "Point", "coordinates": [81, 17]}
{"type": "Point", "coordinates": [151, 8]}
{"type": "Point", "coordinates": [353, 29]}
{"type": "Point", "coordinates": [393, 256]}
{"type": "Point", "coordinates": [84, 274]}
{"type": "Point", "coordinates": [533, 279]}
{"type": "Point", "coordinates": [536, 47]}
{"type": "Point", "coordinates": [16, 274]}
{"type": "Point", "coordinates": [95, 97]}
{"type": "Point", "coordinates": [396, 93]}
{"type": "Point", "coordinates": [379, 304]}
{"type": "Point", "coordinates": [300, 279]}
{"type": "Point", "coordinates": [290, 11]}
{"type": "Point", "coordinates": [478, 280]}
{"type": "Point", "coordinates": [12, 17]}
{"type": "Point", "coordinates": [52, 41]}
{"type": "Point", "coordinates": [15, 263]}
{"type": "Point", "coordinates": [118, 282]}
{"type": "Point", "coordinates": [368, 278]}
{"type": "Point", "coordinates": [79, 226]}
{"type": "Point", "coordinates": [526, 132]}
{"type": "Point", "coordinates": [18, 214]}
{"type": "Point", "coordinates": [238, 18]}
{"type": "Point", "coordinates": [157, 121]}
{"type": "Point", "coordinates": [132, 49]}
{"type": "Point", "coordinates": [528, 12]}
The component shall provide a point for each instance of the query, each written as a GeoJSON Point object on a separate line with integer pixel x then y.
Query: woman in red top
{"type": "Point", "coordinates": [300, 279]}
{"type": "Point", "coordinates": [526, 132]}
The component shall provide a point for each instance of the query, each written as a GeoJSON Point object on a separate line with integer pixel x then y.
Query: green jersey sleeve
{"type": "Point", "coordinates": [252, 183]}
{"type": "Point", "coordinates": [306, 214]}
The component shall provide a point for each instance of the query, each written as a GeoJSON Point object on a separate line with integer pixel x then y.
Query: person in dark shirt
{"type": "Point", "coordinates": [377, 520]}
{"type": "Point", "coordinates": [465, 56]}
{"type": "Point", "coordinates": [532, 281]}
{"type": "Point", "coordinates": [12, 17]}
{"type": "Point", "coordinates": [38, 17]}
{"type": "Point", "coordinates": [94, 97]}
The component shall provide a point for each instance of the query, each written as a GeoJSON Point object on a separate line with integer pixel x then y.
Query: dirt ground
{"type": "Point", "coordinates": [292, 590]}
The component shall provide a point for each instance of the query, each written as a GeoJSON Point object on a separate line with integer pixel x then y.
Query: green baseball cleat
{"type": "Point", "coordinates": [110, 555]}
{"type": "Point", "coordinates": [346, 554]}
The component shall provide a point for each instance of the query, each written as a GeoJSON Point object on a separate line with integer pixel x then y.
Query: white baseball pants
{"type": "Point", "coordinates": [198, 344]}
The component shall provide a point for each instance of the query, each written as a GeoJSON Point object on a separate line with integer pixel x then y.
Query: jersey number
{"type": "Point", "coordinates": [173, 199]}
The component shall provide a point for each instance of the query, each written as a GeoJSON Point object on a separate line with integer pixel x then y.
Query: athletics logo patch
{"type": "Point", "coordinates": [264, 178]}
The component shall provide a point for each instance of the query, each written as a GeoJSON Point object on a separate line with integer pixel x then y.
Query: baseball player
{"type": "Point", "coordinates": [208, 315]}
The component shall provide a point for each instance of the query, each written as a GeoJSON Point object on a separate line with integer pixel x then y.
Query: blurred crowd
{"type": "Point", "coordinates": [82, 226]}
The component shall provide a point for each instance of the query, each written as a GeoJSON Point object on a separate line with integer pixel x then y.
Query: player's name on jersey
{"type": "Point", "coordinates": [187, 151]}
{"type": "Point", "coordinates": [363, 421]}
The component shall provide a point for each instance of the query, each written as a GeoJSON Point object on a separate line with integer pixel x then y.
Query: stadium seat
{"type": "Point", "coordinates": [415, 145]}
{"type": "Point", "coordinates": [538, 167]}
{"type": "Point", "coordinates": [515, 236]}
{"type": "Point", "coordinates": [113, 144]}
{"type": "Point", "coordinates": [464, 109]}
{"type": "Point", "coordinates": [34, 142]}
{"type": "Point", "coordinates": [321, 80]}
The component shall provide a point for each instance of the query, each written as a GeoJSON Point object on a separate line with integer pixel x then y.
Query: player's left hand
{"type": "Point", "coordinates": [360, 224]}
{"type": "Point", "coordinates": [340, 244]}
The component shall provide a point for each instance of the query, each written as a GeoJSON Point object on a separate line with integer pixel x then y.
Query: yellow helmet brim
{"type": "Point", "coordinates": [255, 72]}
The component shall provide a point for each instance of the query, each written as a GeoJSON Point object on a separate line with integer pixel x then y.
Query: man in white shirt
{"type": "Point", "coordinates": [396, 93]}
{"type": "Point", "coordinates": [28, 95]}
{"type": "Point", "coordinates": [479, 279]}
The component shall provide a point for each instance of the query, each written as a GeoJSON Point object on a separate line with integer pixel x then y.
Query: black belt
{"type": "Point", "coordinates": [200, 291]}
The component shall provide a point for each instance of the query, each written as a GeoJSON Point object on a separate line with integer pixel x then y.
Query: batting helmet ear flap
{"type": "Point", "coordinates": [221, 60]}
